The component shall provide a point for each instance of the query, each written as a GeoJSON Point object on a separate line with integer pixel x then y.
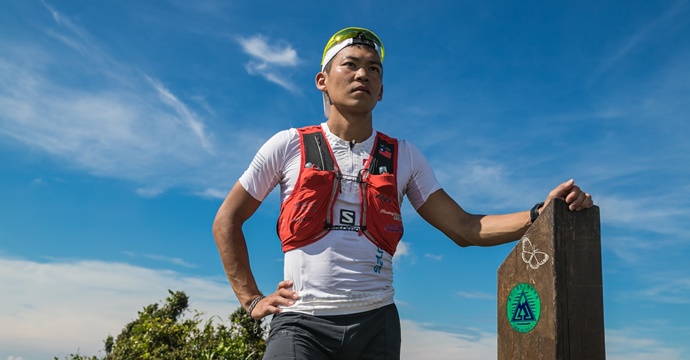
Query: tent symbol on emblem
{"type": "Point", "coordinates": [523, 313]}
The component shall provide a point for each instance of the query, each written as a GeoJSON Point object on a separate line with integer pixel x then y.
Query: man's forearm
{"type": "Point", "coordinates": [232, 249]}
{"type": "Point", "coordinates": [467, 229]}
{"type": "Point", "coordinates": [490, 230]}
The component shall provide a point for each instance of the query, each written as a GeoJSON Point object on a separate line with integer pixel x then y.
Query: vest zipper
{"type": "Point", "coordinates": [334, 192]}
{"type": "Point", "coordinates": [363, 200]}
{"type": "Point", "coordinates": [363, 215]}
{"type": "Point", "coordinates": [318, 146]}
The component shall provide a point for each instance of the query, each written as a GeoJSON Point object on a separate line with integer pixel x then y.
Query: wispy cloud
{"type": "Point", "coordinates": [171, 260]}
{"type": "Point", "coordinates": [80, 40]}
{"type": "Point", "coordinates": [115, 121]}
{"type": "Point", "coordinates": [268, 58]}
{"type": "Point", "coordinates": [434, 257]}
{"type": "Point", "coordinates": [111, 132]}
{"type": "Point", "coordinates": [213, 193]}
{"type": "Point", "coordinates": [671, 288]}
{"type": "Point", "coordinates": [163, 258]}
{"type": "Point", "coordinates": [642, 34]}
{"type": "Point", "coordinates": [642, 213]}
{"type": "Point", "coordinates": [631, 249]}
{"type": "Point", "coordinates": [476, 295]}
{"type": "Point", "coordinates": [149, 192]}
{"type": "Point", "coordinates": [184, 113]}
{"type": "Point", "coordinates": [82, 43]}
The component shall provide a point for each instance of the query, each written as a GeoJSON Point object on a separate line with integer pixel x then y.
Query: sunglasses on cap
{"type": "Point", "coordinates": [351, 36]}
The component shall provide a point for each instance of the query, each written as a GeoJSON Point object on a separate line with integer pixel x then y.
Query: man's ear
{"type": "Point", "coordinates": [381, 93]}
{"type": "Point", "coordinates": [320, 81]}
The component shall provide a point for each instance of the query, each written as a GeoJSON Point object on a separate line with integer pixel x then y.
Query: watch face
{"type": "Point", "coordinates": [523, 307]}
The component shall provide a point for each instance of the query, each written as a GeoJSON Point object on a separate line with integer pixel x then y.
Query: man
{"type": "Point", "coordinates": [341, 186]}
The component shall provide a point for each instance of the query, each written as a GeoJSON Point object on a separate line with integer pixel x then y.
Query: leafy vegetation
{"type": "Point", "coordinates": [161, 332]}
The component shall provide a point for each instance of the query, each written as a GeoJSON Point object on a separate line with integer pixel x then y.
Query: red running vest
{"type": "Point", "coordinates": [307, 214]}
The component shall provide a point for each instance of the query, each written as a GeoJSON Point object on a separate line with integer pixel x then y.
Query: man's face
{"type": "Point", "coordinates": [354, 82]}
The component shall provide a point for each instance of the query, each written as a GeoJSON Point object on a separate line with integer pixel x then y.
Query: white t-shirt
{"type": "Point", "coordinates": [342, 273]}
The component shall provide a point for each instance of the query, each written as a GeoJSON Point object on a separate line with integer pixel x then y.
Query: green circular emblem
{"type": "Point", "coordinates": [523, 308]}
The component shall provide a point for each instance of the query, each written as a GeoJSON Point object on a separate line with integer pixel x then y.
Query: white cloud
{"type": "Point", "coordinates": [267, 57]}
{"type": "Point", "coordinates": [482, 186]}
{"type": "Point", "coordinates": [420, 342]}
{"type": "Point", "coordinates": [402, 250]}
{"type": "Point", "coordinates": [60, 307]}
{"type": "Point", "coordinates": [63, 307]}
{"type": "Point", "coordinates": [258, 47]}
{"type": "Point", "coordinates": [627, 344]}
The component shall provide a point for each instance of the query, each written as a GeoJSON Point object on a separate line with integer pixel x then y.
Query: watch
{"type": "Point", "coordinates": [534, 213]}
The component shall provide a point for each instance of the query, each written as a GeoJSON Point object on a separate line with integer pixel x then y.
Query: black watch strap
{"type": "Point", "coordinates": [534, 213]}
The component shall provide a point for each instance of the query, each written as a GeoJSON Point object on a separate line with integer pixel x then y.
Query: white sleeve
{"type": "Point", "coordinates": [267, 168]}
{"type": "Point", "coordinates": [421, 181]}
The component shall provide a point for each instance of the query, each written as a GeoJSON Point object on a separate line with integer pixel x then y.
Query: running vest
{"type": "Point", "coordinates": [307, 214]}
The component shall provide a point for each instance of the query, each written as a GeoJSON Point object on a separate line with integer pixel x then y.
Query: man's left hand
{"type": "Point", "coordinates": [572, 194]}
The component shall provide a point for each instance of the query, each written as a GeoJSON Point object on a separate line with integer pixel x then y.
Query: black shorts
{"type": "Point", "coordinates": [371, 335]}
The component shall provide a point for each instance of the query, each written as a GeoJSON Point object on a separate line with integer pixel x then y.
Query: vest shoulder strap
{"type": "Point", "coordinates": [315, 149]}
{"type": "Point", "coordinates": [384, 155]}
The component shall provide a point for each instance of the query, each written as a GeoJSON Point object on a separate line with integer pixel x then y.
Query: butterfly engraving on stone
{"type": "Point", "coordinates": [531, 255]}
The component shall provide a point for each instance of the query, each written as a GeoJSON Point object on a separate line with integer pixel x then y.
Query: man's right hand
{"type": "Point", "coordinates": [271, 304]}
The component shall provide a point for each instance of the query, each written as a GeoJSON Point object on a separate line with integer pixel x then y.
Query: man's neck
{"type": "Point", "coordinates": [350, 127]}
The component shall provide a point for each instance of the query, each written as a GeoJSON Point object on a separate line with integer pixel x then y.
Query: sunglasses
{"type": "Point", "coordinates": [359, 36]}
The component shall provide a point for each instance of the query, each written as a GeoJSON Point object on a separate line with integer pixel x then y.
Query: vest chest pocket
{"type": "Point", "coordinates": [383, 218]}
{"type": "Point", "coordinates": [302, 214]}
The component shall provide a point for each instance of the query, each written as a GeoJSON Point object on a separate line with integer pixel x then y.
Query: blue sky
{"type": "Point", "coordinates": [124, 124]}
